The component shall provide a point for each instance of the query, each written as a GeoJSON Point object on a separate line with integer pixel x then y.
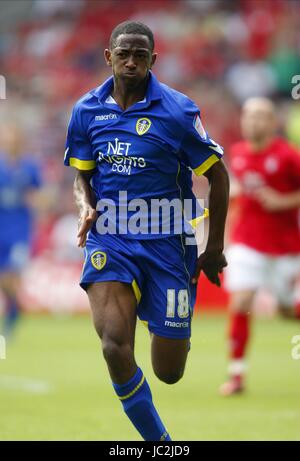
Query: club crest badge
{"type": "Point", "coordinates": [142, 126]}
{"type": "Point", "coordinates": [98, 260]}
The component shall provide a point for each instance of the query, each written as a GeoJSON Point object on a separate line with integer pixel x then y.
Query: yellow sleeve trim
{"type": "Point", "coordinates": [136, 291]}
{"type": "Point", "coordinates": [206, 165]}
{"type": "Point", "coordinates": [194, 222]}
{"type": "Point", "coordinates": [82, 164]}
{"type": "Point", "coordinates": [124, 397]}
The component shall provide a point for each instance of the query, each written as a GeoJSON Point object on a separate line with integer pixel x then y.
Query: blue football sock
{"type": "Point", "coordinates": [136, 398]}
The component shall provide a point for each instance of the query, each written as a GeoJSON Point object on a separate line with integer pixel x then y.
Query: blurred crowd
{"type": "Point", "coordinates": [218, 52]}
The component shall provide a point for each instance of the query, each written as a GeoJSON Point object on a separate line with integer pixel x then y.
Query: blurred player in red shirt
{"type": "Point", "coordinates": [265, 242]}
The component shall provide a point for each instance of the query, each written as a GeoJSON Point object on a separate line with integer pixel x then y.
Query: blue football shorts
{"type": "Point", "coordinates": [159, 271]}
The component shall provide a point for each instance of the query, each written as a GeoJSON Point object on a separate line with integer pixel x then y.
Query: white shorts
{"type": "Point", "coordinates": [248, 269]}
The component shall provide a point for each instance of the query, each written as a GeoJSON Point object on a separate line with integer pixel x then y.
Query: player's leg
{"type": "Point", "coordinates": [169, 358]}
{"type": "Point", "coordinates": [246, 272]}
{"type": "Point", "coordinates": [167, 304]}
{"type": "Point", "coordinates": [13, 259]}
{"type": "Point", "coordinates": [238, 339]}
{"type": "Point", "coordinates": [114, 283]}
{"type": "Point", "coordinates": [285, 284]}
{"type": "Point", "coordinates": [113, 307]}
{"type": "Point", "coordinates": [9, 284]}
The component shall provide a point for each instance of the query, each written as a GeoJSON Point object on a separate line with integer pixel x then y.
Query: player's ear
{"type": "Point", "coordinates": [153, 59]}
{"type": "Point", "coordinates": [107, 56]}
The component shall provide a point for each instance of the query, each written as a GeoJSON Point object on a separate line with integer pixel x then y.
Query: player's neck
{"type": "Point", "coordinates": [126, 96]}
{"type": "Point", "coordinates": [260, 144]}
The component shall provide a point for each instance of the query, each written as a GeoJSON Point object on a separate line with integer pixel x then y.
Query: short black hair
{"type": "Point", "coordinates": [131, 27]}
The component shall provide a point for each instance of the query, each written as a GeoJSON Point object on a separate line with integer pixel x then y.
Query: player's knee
{"type": "Point", "coordinates": [169, 377]}
{"type": "Point", "coordinates": [240, 303]}
{"type": "Point", "coordinates": [116, 354]}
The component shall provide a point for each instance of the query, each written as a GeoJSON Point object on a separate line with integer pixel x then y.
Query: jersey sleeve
{"type": "Point", "coordinates": [200, 151]}
{"type": "Point", "coordinates": [78, 153]}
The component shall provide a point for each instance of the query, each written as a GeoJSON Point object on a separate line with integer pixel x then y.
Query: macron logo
{"type": "Point", "coordinates": [106, 117]}
{"type": "Point", "coordinates": [176, 324]}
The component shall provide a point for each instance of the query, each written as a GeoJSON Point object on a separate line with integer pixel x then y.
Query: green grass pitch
{"type": "Point", "coordinates": [54, 385]}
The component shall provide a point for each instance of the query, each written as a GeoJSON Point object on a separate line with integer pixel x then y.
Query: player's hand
{"type": "Point", "coordinates": [86, 219]}
{"type": "Point", "coordinates": [270, 199]}
{"type": "Point", "coordinates": [212, 264]}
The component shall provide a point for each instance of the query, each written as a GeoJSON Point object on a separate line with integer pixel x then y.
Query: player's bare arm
{"type": "Point", "coordinates": [86, 204]}
{"type": "Point", "coordinates": [212, 261]}
{"type": "Point", "coordinates": [273, 200]}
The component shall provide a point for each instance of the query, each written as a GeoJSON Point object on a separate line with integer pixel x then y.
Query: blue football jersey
{"type": "Point", "coordinates": [148, 151]}
{"type": "Point", "coordinates": [16, 179]}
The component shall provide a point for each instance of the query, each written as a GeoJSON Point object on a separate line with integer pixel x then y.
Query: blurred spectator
{"type": "Point", "coordinates": [246, 79]}
{"type": "Point", "coordinates": [48, 8]}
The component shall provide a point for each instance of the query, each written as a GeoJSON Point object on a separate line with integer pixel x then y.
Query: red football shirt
{"type": "Point", "coordinates": [277, 166]}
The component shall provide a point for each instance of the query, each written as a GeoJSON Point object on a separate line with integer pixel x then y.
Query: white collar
{"type": "Point", "coordinates": [111, 100]}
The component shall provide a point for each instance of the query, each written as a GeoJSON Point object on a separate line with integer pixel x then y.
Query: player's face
{"type": "Point", "coordinates": [257, 123]}
{"type": "Point", "coordinates": [131, 58]}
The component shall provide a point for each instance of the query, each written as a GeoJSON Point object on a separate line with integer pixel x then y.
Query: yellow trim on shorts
{"type": "Point", "coordinates": [194, 222]}
{"type": "Point", "coordinates": [145, 323]}
{"type": "Point", "coordinates": [82, 164]}
{"type": "Point", "coordinates": [206, 165]}
{"type": "Point", "coordinates": [127, 396]}
{"type": "Point", "coordinates": [136, 291]}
